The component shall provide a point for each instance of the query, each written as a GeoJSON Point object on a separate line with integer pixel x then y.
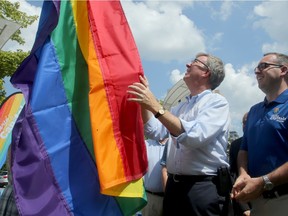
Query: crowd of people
{"type": "Point", "coordinates": [189, 170]}
{"type": "Point", "coordinates": [198, 183]}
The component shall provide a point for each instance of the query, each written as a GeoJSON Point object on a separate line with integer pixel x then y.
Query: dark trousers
{"type": "Point", "coordinates": [193, 198]}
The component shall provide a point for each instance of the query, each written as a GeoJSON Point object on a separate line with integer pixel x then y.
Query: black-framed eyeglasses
{"type": "Point", "coordinates": [264, 65]}
{"type": "Point", "coordinates": [197, 60]}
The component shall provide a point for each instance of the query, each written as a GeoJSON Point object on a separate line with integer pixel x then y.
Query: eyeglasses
{"type": "Point", "coordinates": [197, 60]}
{"type": "Point", "coordinates": [264, 65]}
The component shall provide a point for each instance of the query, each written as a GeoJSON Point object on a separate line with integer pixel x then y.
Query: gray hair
{"type": "Point", "coordinates": [216, 68]}
{"type": "Point", "coordinates": [281, 59]}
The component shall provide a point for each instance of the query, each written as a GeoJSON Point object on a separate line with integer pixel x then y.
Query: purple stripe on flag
{"type": "Point", "coordinates": [32, 172]}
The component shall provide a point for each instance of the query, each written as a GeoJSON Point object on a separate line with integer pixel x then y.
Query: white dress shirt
{"type": "Point", "coordinates": [153, 177]}
{"type": "Point", "coordinates": [201, 148]}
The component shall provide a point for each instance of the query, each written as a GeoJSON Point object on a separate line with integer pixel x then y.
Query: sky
{"type": "Point", "coordinates": [169, 34]}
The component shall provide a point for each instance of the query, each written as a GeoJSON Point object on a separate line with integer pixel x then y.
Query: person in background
{"type": "Point", "coordinates": [153, 178]}
{"type": "Point", "coordinates": [164, 167]}
{"type": "Point", "coordinates": [239, 209]}
{"type": "Point", "coordinates": [263, 155]}
{"type": "Point", "coordinates": [7, 201]}
{"type": "Point", "coordinates": [199, 131]}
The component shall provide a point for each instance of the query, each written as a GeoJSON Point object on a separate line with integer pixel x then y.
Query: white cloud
{"type": "Point", "coordinates": [225, 10]}
{"type": "Point", "coordinates": [162, 32]}
{"type": "Point", "coordinates": [272, 18]}
{"type": "Point", "coordinates": [214, 42]}
{"type": "Point", "coordinates": [218, 36]}
{"type": "Point", "coordinates": [241, 90]}
{"type": "Point", "coordinates": [275, 47]}
{"type": "Point", "coordinates": [175, 76]}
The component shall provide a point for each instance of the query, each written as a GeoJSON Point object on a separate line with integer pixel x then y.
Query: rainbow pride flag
{"type": "Point", "coordinates": [9, 112]}
{"type": "Point", "coordinates": [78, 149]}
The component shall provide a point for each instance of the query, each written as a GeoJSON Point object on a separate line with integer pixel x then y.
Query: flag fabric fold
{"type": "Point", "coordinates": [78, 145]}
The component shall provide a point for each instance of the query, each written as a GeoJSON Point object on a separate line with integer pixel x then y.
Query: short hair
{"type": "Point", "coordinates": [280, 58]}
{"type": "Point", "coordinates": [244, 119]}
{"type": "Point", "coordinates": [216, 67]}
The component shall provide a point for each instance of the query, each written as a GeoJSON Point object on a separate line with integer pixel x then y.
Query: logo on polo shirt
{"type": "Point", "coordinates": [276, 117]}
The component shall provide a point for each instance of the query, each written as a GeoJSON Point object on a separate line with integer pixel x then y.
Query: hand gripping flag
{"type": "Point", "coordinates": [78, 146]}
{"type": "Point", "coordinates": [9, 112]}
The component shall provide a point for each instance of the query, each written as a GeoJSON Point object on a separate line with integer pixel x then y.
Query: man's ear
{"type": "Point", "coordinates": [207, 73]}
{"type": "Point", "coordinates": [284, 70]}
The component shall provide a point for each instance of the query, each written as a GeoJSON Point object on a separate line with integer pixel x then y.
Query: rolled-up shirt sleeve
{"type": "Point", "coordinates": [201, 148]}
{"type": "Point", "coordinates": [154, 129]}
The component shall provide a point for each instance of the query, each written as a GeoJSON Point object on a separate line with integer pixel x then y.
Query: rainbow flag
{"type": "Point", "coordinates": [9, 112]}
{"type": "Point", "coordinates": [78, 149]}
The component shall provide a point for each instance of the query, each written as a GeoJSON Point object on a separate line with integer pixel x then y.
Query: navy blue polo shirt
{"type": "Point", "coordinates": [266, 136]}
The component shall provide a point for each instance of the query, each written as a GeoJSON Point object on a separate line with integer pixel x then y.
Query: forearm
{"type": "Point", "coordinates": [280, 175]}
{"type": "Point", "coordinates": [242, 160]}
{"type": "Point", "coordinates": [172, 123]}
{"type": "Point", "coordinates": [146, 115]}
{"type": "Point", "coordinates": [164, 177]}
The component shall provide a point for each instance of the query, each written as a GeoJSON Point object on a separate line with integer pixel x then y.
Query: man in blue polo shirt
{"type": "Point", "coordinates": [263, 158]}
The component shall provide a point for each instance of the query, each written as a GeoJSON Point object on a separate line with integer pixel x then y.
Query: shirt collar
{"type": "Point", "coordinates": [282, 98]}
{"type": "Point", "coordinates": [197, 97]}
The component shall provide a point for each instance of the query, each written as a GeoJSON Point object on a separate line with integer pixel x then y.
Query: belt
{"type": "Point", "coordinates": [191, 178]}
{"type": "Point", "coordinates": [161, 194]}
{"type": "Point", "coordinates": [276, 192]}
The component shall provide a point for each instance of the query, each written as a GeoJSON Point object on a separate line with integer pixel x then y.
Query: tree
{"type": "Point", "coordinates": [10, 11]}
{"type": "Point", "coordinates": [233, 135]}
{"type": "Point", "coordinates": [10, 61]}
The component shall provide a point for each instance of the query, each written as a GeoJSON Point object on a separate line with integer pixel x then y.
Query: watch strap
{"type": "Point", "coordinates": [160, 112]}
{"type": "Point", "coordinates": [268, 184]}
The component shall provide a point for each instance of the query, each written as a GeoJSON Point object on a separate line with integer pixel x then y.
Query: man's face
{"type": "Point", "coordinates": [268, 73]}
{"type": "Point", "coordinates": [195, 70]}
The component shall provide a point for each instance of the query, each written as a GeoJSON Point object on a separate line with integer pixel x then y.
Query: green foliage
{"type": "Point", "coordinates": [233, 135]}
{"type": "Point", "coordinates": [4, 167]}
{"type": "Point", "coordinates": [10, 11]}
{"type": "Point", "coordinates": [2, 91]}
{"type": "Point", "coordinates": [10, 61]}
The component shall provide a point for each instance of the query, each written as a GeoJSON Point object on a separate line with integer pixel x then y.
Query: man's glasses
{"type": "Point", "coordinates": [264, 65]}
{"type": "Point", "coordinates": [197, 60]}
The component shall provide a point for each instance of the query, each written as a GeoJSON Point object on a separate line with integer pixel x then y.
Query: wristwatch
{"type": "Point", "coordinates": [160, 112]}
{"type": "Point", "coordinates": [268, 185]}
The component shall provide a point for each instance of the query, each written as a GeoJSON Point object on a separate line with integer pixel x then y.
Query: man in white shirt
{"type": "Point", "coordinates": [199, 130]}
{"type": "Point", "coordinates": [153, 180]}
